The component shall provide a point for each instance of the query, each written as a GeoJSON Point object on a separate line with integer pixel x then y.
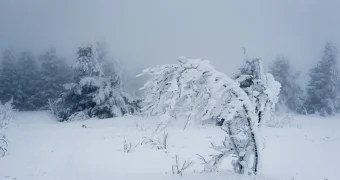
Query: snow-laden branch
{"type": "Point", "coordinates": [261, 88]}
{"type": "Point", "coordinates": [195, 90]}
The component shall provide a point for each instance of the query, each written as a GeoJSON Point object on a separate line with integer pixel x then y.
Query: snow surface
{"type": "Point", "coordinates": [40, 148]}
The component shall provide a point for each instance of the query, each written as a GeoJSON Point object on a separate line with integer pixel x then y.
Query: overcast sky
{"type": "Point", "coordinates": [144, 33]}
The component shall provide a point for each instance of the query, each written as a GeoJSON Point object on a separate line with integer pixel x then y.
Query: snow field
{"type": "Point", "coordinates": [42, 148]}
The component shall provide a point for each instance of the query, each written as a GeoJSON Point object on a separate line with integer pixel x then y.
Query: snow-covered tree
{"type": "Point", "coordinates": [94, 93]}
{"type": "Point", "coordinates": [291, 96]}
{"type": "Point", "coordinates": [29, 82]}
{"type": "Point", "coordinates": [323, 89]}
{"type": "Point", "coordinates": [9, 85]}
{"type": "Point", "coordinates": [261, 88]}
{"type": "Point", "coordinates": [54, 73]}
{"type": "Point", "coordinates": [195, 91]}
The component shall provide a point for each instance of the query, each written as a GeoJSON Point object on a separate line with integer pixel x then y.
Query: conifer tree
{"type": "Point", "coordinates": [95, 91]}
{"type": "Point", "coordinates": [291, 96]}
{"type": "Point", "coordinates": [29, 82]}
{"type": "Point", "coordinates": [54, 73]}
{"type": "Point", "coordinates": [9, 85]}
{"type": "Point", "coordinates": [324, 86]}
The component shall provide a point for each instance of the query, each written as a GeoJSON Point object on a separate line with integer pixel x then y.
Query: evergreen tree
{"type": "Point", "coordinates": [94, 93]}
{"type": "Point", "coordinates": [54, 73]}
{"type": "Point", "coordinates": [9, 85]}
{"type": "Point", "coordinates": [324, 86]}
{"type": "Point", "coordinates": [291, 95]}
{"type": "Point", "coordinates": [29, 82]}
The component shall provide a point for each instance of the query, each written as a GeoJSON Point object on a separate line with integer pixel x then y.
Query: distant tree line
{"type": "Point", "coordinates": [35, 82]}
{"type": "Point", "coordinates": [31, 80]}
{"type": "Point", "coordinates": [89, 88]}
{"type": "Point", "coordinates": [322, 94]}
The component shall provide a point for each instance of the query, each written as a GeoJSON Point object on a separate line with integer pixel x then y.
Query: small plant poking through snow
{"type": "Point", "coordinates": [177, 169]}
{"type": "Point", "coordinates": [159, 143]}
{"type": "Point", "coordinates": [128, 147]}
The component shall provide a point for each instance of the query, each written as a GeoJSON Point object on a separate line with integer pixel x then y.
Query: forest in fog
{"type": "Point", "coordinates": [35, 81]}
{"type": "Point", "coordinates": [192, 90]}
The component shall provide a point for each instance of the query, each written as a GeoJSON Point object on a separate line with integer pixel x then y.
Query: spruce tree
{"type": "Point", "coordinates": [95, 92]}
{"type": "Point", "coordinates": [9, 85]}
{"type": "Point", "coordinates": [29, 82]}
{"type": "Point", "coordinates": [54, 73]}
{"type": "Point", "coordinates": [291, 96]}
{"type": "Point", "coordinates": [324, 85]}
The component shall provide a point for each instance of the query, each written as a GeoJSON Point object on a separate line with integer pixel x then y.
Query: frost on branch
{"type": "Point", "coordinates": [194, 90]}
{"type": "Point", "coordinates": [261, 88]}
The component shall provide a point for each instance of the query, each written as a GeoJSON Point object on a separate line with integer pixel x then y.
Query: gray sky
{"type": "Point", "coordinates": [144, 33]}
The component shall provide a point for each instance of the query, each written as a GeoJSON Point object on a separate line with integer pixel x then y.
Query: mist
{"type": "Point", "coordinates": [76, 104]}
{"type": "Point", "coordinates": [147, 33]}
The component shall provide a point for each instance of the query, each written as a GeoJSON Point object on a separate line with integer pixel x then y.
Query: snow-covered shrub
{"type": "Point", "coordinates": [96, 91]}
{"type": "Point", "coordinates": [194, 90]}
{"type": "Point", "coordinates": [262, 89]}
{"type": "Point", "coordinates": [179, 169]}
{"type": "Point", "coordinates": [6, 115]}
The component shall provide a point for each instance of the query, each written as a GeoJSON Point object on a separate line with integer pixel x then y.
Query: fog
{"type": "Point", "coordinates": [150, 32]}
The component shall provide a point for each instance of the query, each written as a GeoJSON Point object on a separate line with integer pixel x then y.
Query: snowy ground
{"type": "Point", "coordinates": [43, 149]}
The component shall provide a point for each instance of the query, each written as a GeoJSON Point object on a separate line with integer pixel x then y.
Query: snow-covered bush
{"type": "Point", "coordinates": [262, 89]}
{"type": "Point", "coordinates": [6, 115]}
{"type": "Point", "coordinates": [194, 90]}
{"type": "Point", "coordinates": [96, 91]}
